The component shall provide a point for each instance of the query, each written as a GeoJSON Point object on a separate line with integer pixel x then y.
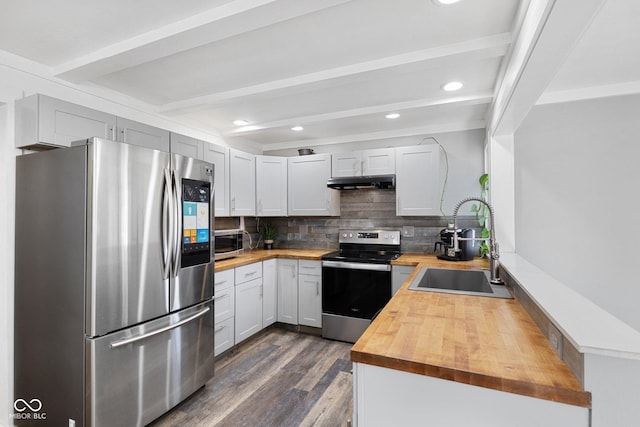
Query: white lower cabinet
{"type": "Point", "coordinates": [399, 275]}
{"type": "Point", "coordinates": [248, 301]}
{"type": "Point", "coordinates": [269, 292]}
{"type": "Point", "coordinates": [224, 337]}
{"type": "Point", "coordinates": [310, 293]}
{"type": "Point", "coordinates": [287, 291]}
{"type": "Point", "coordinates": [248, 309]}
{"type": "Point", "coordinates": [385, 397]}
{"type": "Point", "coordinates": [224, 310]}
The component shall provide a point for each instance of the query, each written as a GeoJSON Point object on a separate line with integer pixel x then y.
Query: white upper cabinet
{"type": "Point", "coordinates": [242, 183]}
{"type": "Point", "coordinates": [271, 186]}
{"type": "Point", "coordinates": [379, 161]}
{"type": "Point", "coordinates": [187, 146]}
{"type": "Point", "coordinates": [214, 154]}
{"type": "Point", "coordinates": [136, 133]}
{"type": "Point", "coordinates": [42, 120]}
{"type": "Point", "coordinates": [417, 183]}
{"type": "Point", "coordinates": [307, 187]}
{"type": "Point", "coordinates": [219, 156]}
{"type": "Point", "coordinates": [346, 164]}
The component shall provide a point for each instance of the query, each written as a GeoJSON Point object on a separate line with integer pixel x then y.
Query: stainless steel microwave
{"type": "Point", "coordinates": [228, 243]}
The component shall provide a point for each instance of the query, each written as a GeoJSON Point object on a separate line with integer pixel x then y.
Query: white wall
{"type": "Point", "coordinates": [7, 208]}
{"type": "Point", "coordinates": [465, 150]}
{"type": "Point", "coordinates": [577, 212]}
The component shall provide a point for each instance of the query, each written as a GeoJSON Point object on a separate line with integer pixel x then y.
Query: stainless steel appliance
{"type": "Point", "coordinates": [228, 243]}
{"type": "Point", "coordinates": [356, 281]}
{"type": "Point", "coordinates": [466, 246]}
{"type": "Point", "coordinates": [114, 282]}
{"type": "Point", "coordinates": [360, 182]}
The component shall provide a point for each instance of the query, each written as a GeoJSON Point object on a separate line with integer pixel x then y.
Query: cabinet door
{"type": "Point", "coordinates": [248, 309]}
{"type": "Point", "coordinates": [187, 146]}
{"type": "Point", "coordinates": [399, 275]}
{"type": "Point", "coordinates": [380, 161]}
{"type": "Point", "coordinates": [223, 295]}
{"type": "Point", "coordinates": [224, 336]}
{"type": "Point", "coordinates": [287, 291]}
{"type": "Point", "coordinates": [248, 272]}
{"type": "Point", "coordinates": [269, 292]}
{"type": "Point", "coordinates": [307, 187]}
{"type": "Point", "coordinates": [219, 157]}
{"type": "Point", "coordinates": [41, 119]}
{"type": "Point", "coordinates": [243, 183]}
{"type": "Point", "coordinates": [417, 183]}
{"type": "Point", "coordinates": [271, 186]}
{"type": "Point", "coordinates": [346, 164]}
{"type": "Point", "coordinates": [310, 300]}
{"type": "Point", "coordinates": [143, 135]}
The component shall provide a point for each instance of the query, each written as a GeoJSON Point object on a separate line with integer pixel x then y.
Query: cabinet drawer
{"type": "Point", "coordinates": [224, 303]}
{"type": "Point", "coordinates": [311, 268]}
{"type": "Point", "coordinates": [248, 272]}
{"type": "Point", "coordinates": [223, 337]}
{"type": "Point", "coordinates": [223, 279]}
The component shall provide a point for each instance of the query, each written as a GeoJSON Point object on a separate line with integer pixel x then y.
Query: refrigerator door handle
{"type": "Point", "coordinates": [120, 343]}
{"type": "Point", "coordinates": [177, 231]}
{"type": "Point", "coordinates": [167, 224]}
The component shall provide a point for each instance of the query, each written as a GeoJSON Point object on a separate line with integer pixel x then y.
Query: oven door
{"type": "Point", "coordinates": [355, 289]}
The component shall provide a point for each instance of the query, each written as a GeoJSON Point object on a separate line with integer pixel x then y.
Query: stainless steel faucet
{"type": "Point", "coordinates": [494, 254]}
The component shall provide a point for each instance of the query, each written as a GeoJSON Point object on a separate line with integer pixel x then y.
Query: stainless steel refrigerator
{"type": "Point", "coordinates": [114, 283]}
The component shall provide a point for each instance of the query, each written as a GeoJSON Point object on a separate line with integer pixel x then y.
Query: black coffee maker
{"type": "Point", "coordinates": [466, 248]}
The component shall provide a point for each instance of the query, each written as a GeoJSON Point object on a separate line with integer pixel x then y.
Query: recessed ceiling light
{"type": "Point", "coordinates": [392, 116]}
{"type": "Point", "coordinates": [297, 128]}
{"type": "Point", "coordinates": [452, 86]}
{"type": "Point", "coordinates": [445, 2]}
{"type": "Point", "coordinates": [240, 122]}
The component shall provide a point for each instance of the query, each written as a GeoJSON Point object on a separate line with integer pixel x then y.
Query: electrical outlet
{"type": "Point", "coordinates": [407, 231]}
{"type": "Point", "coordinates": [555, 338]}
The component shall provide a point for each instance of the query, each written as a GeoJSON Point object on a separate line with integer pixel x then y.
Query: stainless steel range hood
{"type": "Point", "coordinates": [362, 182]}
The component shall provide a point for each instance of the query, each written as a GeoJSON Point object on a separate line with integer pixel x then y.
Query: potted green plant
{"type": "Point", "coordinates": [268, 232]}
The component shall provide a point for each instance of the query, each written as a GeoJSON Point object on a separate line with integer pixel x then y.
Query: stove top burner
{"type": "Point", "coordinates": [372, 246]}
{"type": "Point", "coordinates": [374, 257]}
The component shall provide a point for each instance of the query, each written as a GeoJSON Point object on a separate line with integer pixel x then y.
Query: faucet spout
{"type": "Point", "coordinates": [494, 254]}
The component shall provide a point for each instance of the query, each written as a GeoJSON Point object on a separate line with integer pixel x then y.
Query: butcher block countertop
{"type": "Point", "coordinates": [257, 255]}
{"type": "Point", "coordinates": [487, 342]}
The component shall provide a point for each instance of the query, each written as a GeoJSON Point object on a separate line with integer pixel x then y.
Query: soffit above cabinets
{"type": "Point", "coordinates": [334, 67]}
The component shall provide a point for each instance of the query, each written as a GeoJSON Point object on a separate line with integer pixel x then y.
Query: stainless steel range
{"type": "Point", "coordinates": [356, 281]}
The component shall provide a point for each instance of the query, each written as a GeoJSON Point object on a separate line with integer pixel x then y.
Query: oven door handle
{"type": "Point", "coordinates": [356, 266]}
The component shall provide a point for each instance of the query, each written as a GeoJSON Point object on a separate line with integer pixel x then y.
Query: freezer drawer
{"type": "Point", "coordinates": [136, 375]}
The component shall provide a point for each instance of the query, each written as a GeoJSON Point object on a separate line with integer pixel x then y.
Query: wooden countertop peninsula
{"type": "Point", "coordinates": [487, 342]}
{"type": "Point", "coordinates": [257, 255]}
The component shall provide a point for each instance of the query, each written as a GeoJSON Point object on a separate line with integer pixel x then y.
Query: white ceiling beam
{"type": "Point", "coordinates": [481, 48]}
{"type": "Point", "coordinates": [397, 133]}
{"type": "Point", "coordinates": [593, 92]}
{"type": "Point", "coordinates": [549, 32]}
{"type": "Point", "coordinates": [470, 99]}
{"type": "Point", "coordinates": [216, 24]}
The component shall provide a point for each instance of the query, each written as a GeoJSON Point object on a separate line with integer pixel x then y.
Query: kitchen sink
{"type": "Point", "coordinates": [453, 281]}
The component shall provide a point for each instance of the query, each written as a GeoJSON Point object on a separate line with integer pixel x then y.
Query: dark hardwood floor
{"type": "Point", "coordinates": [277, 378]}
